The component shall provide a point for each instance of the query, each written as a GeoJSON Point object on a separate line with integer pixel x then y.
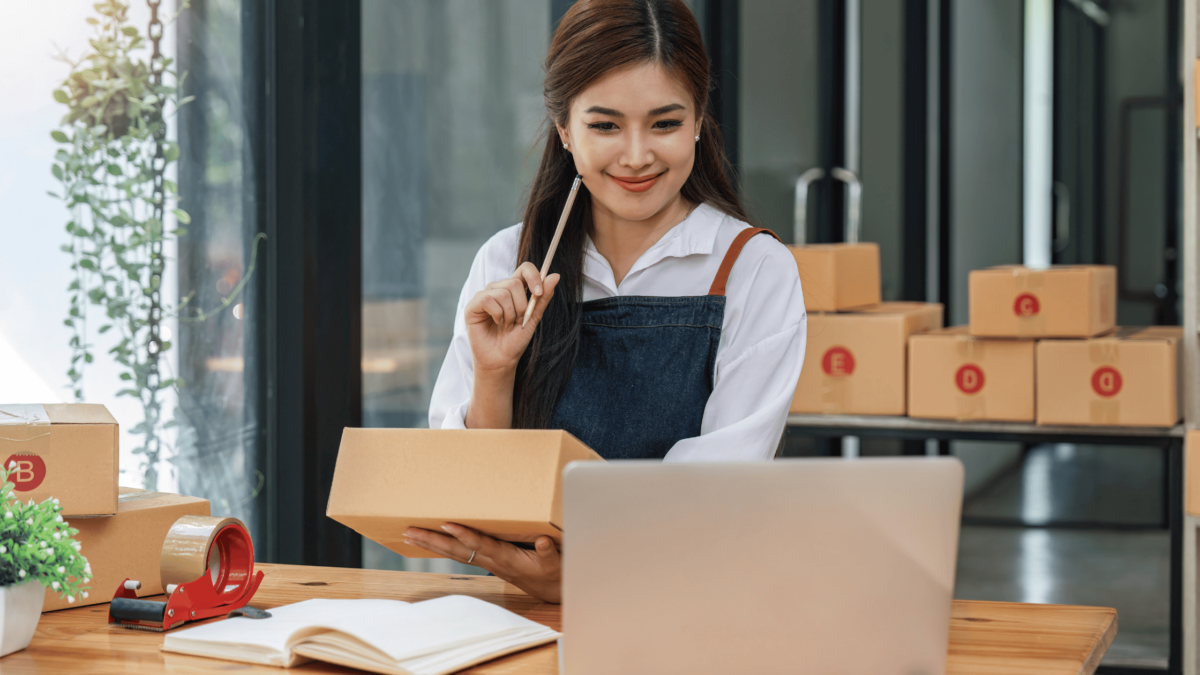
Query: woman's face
{"type": "Point", "coordinates": [632, 134]}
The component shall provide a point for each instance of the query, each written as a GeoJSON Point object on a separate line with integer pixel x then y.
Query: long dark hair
{"type": "Point", "coordinates": [595, 38]}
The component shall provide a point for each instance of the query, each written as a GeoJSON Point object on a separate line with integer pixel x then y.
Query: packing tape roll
{"type": "Point", "coordinates": [196, 545]}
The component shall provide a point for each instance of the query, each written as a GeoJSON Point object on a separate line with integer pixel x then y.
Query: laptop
{"type": "Point", "coordinates": [820, 566]}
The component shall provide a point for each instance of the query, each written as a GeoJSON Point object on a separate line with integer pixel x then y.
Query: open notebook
{"type": "Point", "coordinates": [432, 637]}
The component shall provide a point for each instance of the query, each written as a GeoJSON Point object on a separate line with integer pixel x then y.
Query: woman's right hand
{"type": "Point", "coordinates": [494, 319]}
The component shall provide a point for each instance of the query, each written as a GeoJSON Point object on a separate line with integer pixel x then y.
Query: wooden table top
{"type": "Point", "coordinates": [986, 638]}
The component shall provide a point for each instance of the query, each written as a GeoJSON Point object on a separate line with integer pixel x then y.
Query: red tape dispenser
{"type": "Point", "coordinates": [207, 569]}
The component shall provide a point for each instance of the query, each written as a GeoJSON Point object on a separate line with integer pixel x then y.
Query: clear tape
{"type": "Point", "coordinates": [23, 415]}
{"type": "Point", "coordinates": [138, 496]}
{"type": "Point", "coordinates": [836, 393]}
{"type": "Point", "coordinates": [1104, 352]}
{"type": "Point", "coordinates": [24, 424]}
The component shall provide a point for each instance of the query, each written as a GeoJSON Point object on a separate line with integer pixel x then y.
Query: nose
{"type": "Point", "coordinates": [638, 152]}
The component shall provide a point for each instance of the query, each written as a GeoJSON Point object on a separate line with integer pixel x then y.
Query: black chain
{"type": "Point", "coordinates": [157, 260]}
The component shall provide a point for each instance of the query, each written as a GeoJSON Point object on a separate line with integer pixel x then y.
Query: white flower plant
{"type": "Point", "coordinates": [37, 544]}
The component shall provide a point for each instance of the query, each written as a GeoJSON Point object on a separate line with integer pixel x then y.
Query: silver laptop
{"type": "Point", "coordinates": [793, 566]}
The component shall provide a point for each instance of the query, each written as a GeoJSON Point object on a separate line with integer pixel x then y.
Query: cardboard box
{"type": "Point", "coordinates": [952, 375]}
{"type": "Point", "coordinates": [838, 277]}
{"type": "Point", "coordinates": [127, 545]}
{"type": "Point", "coordinates": [504, 482]}
{"type": "Point", "coordinates": [68, 451]}
{"type": "Point", "coordinates": [1061, 301]}
{"type": "Point", "coordinates": [856, 363]}
{"type": "Point", "coordinates": [1130, 378]}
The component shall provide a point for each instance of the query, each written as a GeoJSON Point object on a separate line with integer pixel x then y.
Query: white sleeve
{"type": "Point", "coordinates": [758, 362]}
{"type": "Point", "coordinates": [452, 391]}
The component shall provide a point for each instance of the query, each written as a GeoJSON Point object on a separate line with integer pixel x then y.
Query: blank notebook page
{"type": "Point", "coordinates": [398, 629]}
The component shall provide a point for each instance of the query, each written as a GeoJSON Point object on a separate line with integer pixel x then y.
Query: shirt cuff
{"type": "Point", "coordinates": [456, 417]}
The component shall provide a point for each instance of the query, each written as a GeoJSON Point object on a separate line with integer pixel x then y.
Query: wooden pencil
{"type": "Point", "coordinates": [562, 220]}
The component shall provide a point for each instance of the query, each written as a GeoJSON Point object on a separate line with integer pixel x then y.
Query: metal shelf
{"type": "Point", "coordinates": [918, 429]}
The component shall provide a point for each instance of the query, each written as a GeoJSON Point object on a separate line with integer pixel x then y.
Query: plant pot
{"type": "Point", "coordinates": [20, 610]}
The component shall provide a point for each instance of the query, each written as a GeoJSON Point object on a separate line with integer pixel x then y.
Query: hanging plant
{"type": "Point", "coordinates": [112, 164]}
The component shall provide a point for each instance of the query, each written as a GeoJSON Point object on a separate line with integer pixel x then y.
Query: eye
{"type": "Point", "coordinates": [602, 126]}
{"type": "Point", "coordinates": [668, 124]}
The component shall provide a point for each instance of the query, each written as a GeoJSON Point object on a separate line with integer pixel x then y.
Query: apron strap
{"type": "Point", "coordinates": [731, 256]}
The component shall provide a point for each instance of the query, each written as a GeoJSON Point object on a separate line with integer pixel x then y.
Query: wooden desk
{"type": "Point", "coordinates": [986, 638]}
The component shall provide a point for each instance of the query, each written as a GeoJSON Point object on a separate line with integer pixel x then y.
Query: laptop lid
{"type": "Point", "coordinates": [793, 566]}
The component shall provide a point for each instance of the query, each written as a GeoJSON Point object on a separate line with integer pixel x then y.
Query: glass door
{"type": "Point", "coordinates": [452, 104]}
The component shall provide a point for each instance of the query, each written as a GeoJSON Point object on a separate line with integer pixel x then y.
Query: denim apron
{"type": "Point", "coordinates": [644, 370]}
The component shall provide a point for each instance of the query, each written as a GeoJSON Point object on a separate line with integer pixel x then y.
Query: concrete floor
{"type": "Point", "coordinates": [1097, 542]}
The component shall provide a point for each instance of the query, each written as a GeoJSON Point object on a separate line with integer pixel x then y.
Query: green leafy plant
{"type": "Point", "coordinates": [112, 163]}
{"type": "Point", "coordinates": [112, 169]}
{"type": "Point", "coordinates": [37, 544]}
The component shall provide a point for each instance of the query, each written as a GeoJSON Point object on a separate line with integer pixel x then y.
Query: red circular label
{"type": "Point", "coordinates": [838, 361]}
{"type": "Point", "coordinates": [29, 472]}
{"type": "Point", "coordinates": [969, 379]}
{"type": "Point", "coordinates": [1026, 304]}
{"type": "Point", "coordinates": [1107, 381]}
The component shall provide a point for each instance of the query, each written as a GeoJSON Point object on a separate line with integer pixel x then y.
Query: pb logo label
{"type": "Point", "coordinates": [838, 361]}
{"type": "Point", "coordinates": [1026, 304]}
{"type": "Point", "coordinates": [29, 473]}
{"type": "Point", "coordinates": [1106, 381]}
{"type": "Point", "coordinates": [969, 379]}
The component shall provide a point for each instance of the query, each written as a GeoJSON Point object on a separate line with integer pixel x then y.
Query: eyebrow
{"type": "Point", "coordinates": [616, 113]}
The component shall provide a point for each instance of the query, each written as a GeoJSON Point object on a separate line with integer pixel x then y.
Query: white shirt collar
{"type": "Point", "coordinates": [696, 234]}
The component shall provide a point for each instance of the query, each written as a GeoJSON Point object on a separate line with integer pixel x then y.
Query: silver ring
{"type": "Point", "coordinates": [471, 558]}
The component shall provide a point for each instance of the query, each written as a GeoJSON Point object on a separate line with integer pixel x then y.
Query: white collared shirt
{"type": "Point", "coordinates": [762, 339]}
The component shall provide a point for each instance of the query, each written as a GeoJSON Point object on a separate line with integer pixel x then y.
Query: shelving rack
{"type": "Point", "coordinates": [1190, 298]}
{"type": "Point", "coordinates": [1168, 440]}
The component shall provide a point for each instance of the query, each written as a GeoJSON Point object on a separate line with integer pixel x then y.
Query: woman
{"type": "Point", "coordinates": [647, 340]}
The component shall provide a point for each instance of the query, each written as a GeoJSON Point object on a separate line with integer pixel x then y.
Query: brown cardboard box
{"type": "Point", "coordinates": [1129, 378]}
{"type": "Point", "coordinates": [837, 277]}
{"type": "Point", "coordinates": [952, 375]}
{"type": "Point", "coordinates": [1061, 301]}
{"type": "Point", "coordinates": [127, 545]}
{"type": "Point", "coordinates": [68, 451]}
{"type": "Point", "coordinates": [503, 482]}
{"type": "Point", "coordinates": [856, 363]}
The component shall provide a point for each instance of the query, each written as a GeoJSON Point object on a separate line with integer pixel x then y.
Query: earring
{"type": "Point", "coordinates": [697, 138]}
{"type": "Point", "coordinates": [564, 146]}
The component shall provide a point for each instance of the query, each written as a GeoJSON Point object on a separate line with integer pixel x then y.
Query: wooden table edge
{"type": "Point", "coordinates": [1092, 662]}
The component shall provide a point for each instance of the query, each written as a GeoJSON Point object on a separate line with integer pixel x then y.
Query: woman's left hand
{"type": "Point", "coordinates": [537, 572]}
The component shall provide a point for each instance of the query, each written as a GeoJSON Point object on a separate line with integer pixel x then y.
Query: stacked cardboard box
{"type": "Point", "coordinates": [856, 358]}
{"type": "Point", "coordinates": [1042, 346]}
{"type": "Point", "coordinates": [71, 452]}
{"type": "Point", "coordinates": [988, 370]}
{"type": "Point", "coordinates": [1127, 378]}
{"type": "Point", "coordinates": [954, 375]}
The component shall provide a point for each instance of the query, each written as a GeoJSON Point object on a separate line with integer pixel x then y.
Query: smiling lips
{"type": "Point", "coordinates": [637, 183]}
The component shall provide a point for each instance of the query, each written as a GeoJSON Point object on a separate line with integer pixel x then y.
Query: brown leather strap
{"type": "Point", "coordinates": [731, 256]}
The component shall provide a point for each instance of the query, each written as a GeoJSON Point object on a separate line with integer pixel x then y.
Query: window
{"type": "Point", "coordinates": [452, 107]}
{"type": "Point", "coordinates": [206, 418]}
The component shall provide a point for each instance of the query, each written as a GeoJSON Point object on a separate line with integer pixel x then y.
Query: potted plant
{"type": "Point", "coordinates": [37, 550]}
